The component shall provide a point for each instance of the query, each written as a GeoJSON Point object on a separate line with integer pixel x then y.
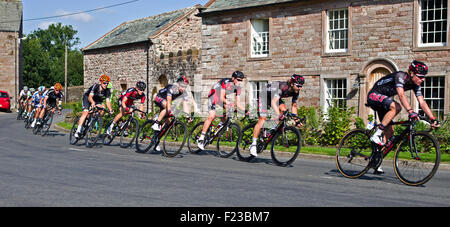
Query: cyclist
{"type": "Point", "coordinates": [49, 100]}
{"type": "Point", "coordinates": [95, 96]}
{"type": "Point", "coordinates": [380, 99]}
{"type": "Point", "coordinates": [23, 96]}
{"type": "Point", "coordinates": [276, 92]}
{"type": "Point", "coordinates": [218, 95]}
{"type": "Point", "coordinates": [126, 102]}
{"type": "Point", "coordinates": [167, 95]}
{"type": "Point", "coordinates": [35, 102]}
{"type": "Point", "coordinates": [27, 103]}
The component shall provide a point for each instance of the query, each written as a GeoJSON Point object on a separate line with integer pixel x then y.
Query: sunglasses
{"type": "Point", "coordinates": [420, 76]}
{"type": "Point", "coordinates": [299, 85]}
{"type": "Point", "coordinates": [105, 83]}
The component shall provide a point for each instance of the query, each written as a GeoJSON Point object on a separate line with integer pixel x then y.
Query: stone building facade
{"type": "Point", "coordinates": [341, 47]}
{"type": "Point", "coordinates": [11, 48]}
{"type": "Point", "coordinates": [155, 50]}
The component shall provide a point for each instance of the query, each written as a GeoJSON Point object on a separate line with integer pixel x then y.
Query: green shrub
{"type": "Point", "coordinates": [338, 122]}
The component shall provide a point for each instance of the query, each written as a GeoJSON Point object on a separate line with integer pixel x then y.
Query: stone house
{"type": "Point", "coordinates": [11, 27]}
{"type": "Point", "coordinates": [155, 50]}
{"type": "Point", "coordinates": [341, 47]}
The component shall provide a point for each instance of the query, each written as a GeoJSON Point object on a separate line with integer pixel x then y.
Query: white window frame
{"type": "Point", "coordinates": [429, 84]}
{"type": "Point", "coordinates": [260, 34]}
{"type": "Point", "coordinates": [341, 29]}
{"type": "Point", "coordinates": [255, 88]}
{"type": "Point", "coordinates": [329, 91]}
{"type": "Point", "coordinates": [444, 30]}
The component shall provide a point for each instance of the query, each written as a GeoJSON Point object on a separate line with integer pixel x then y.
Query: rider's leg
{"type": "Point", "coordinates": [256, 131]}
{"type": "Point", "coordinates": [116, 119]}
{"type": "Point", "coordinates": [83, 117]}
{"type": "Point", "coordinates": [394, 109]}
{"type": "Point", "coordinates": [201, 140]}
{"type": "Point", "coordinates": [163, 107]}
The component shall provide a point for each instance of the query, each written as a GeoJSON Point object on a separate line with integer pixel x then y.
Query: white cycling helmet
{"type": "Point", "coordinates": [25, 88]}
{"type": "Point", "coordinates": [41, 89]}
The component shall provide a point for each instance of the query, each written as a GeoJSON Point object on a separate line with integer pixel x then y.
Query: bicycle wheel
{"type": "Point", "coordinates": [243, 153]}
{"type": "Point", "coordinates": [107, 139]}
{"type": "Point", "coordinates": [228, 141]}
{"type": "Point", "coordinates": [418, 166]}
{"type": "Point", "coordinates": [286, 146]}
{"type": "Point", "coordinates": [72, 138]}
{"type": "Point", "coordinates": [94, 132]}
{"type": "Point", "coordinates": [174, 140]}
{"type": "Point", "coordinates": [129, 133]}
{"type": "Point", "coordinates": [144, 137]}
{"type": "Point", "coordinates": [47, 123]}
{"type": "Point", "coordinates": [353, 154]}
{"type": "Point", "coordinates": [194, 135]}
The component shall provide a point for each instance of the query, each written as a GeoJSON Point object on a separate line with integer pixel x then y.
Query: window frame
{"type": "Point", "coordinates": [331, 30]}
{"type": "Point", "coordinates": [326, 52]}
{"type": "Point", "coordinates": [326, 89]}
{"type": "Point", "coordinates": [250, 56]}
{"type": "Point", "coordinates": [432, 86]}
{"type": "Point", "coordinates": [418, 46]}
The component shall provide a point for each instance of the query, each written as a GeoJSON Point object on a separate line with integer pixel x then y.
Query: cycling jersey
{"type": "Point", "coordinates": [388, 85]}
{"type": "Point", "coordinates": [171, 90]}
{"type": "Point", "coordinates": [98, 95]}
{"type": "Point", "coordinates": [276, 89]}
{"type": "Point", "coordinates": [36, 99]}
{"type": "Point", "coordinates": [229, 87]}
{"type": "Point", "coordinates": [25, 95]}
{"type": "Point", "coordinates": [52, 97]}
{"type": "Point", "coordinates": [380, 97]}
{"type": "Point", "coordinates": [132, 95]}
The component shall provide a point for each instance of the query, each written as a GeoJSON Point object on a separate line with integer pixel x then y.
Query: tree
{"type": "Point", "coordinates": [44, 55]}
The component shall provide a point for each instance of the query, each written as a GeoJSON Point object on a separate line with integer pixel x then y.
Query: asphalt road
{"type": "Point", "coordinates": [47, 171]}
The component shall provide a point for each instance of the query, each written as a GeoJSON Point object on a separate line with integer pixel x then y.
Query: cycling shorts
{"type": "Point", "coordinates": [380, 103]}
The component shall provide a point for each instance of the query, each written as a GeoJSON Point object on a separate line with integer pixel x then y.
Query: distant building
{"type": "Point", "coordinates": [155, 50]}
{"type": "Point", "coordinates": [341, 47]}
{"type": "Point", "coordinates": [10, 47]}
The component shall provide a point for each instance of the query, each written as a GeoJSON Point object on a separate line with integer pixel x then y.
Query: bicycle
{"type": "Point", "coordinates": [285, 140]}
{"type": "Point", "coordinates": [30, 119]}
{"type": "Point", "coordinates": [123, 128]}
{"type": "Point", "coordinates": [174, 134]}
{"type": "Point", "coordinates": [91, 129]}
{"type": "Point", "coordinates": [46, 123]}
{"type": "Point", "coordinates": [416, 158]}
{"type": "Point", "coordinates": [226, 136]}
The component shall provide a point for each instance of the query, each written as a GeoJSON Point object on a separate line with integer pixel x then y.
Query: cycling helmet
{"type": "Point", "coordinates": [41, 89]}
{"type": "Point", "coordinates": [58, 87]}
{"type": "Point", "coordinates": [238, 75]}
{"type": "Point", "coordinates": [25, 88]}
{"type": "Point", "coordinates": [183, 80]}
{"type": "Point", "coordinates": [105, 78]}
{"type": "Point", "coordinates": [141, 86]}
{"type": "Point", "coordinates": [298, 80]}
{"type": "Point", "coordinates": [419, 68]}
{"type": "Point", "coordinates": [32, 90]}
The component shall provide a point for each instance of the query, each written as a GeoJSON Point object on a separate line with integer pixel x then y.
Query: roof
{"type": "Point", "coordinates": [140, 30]}
{"type": "Point", "coordinates": [11, 15]}
{"type": "Point", "coordinates": [226, 5]}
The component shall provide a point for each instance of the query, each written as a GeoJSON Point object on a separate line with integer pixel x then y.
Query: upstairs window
{"type": "Point", "coordinates": [260, 38]}
{"type": "Point", "coordinates": [433, 22]}
{"type": "Point", "coordinates": [337, 31]}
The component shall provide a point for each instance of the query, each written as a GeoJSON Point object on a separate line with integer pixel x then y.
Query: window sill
{"type": "Point", "coordinates": [336, 54]}
{"type": "Point", "coordinates": [249, 59]}
{"type": "Point", "coordinates": [430, 48]}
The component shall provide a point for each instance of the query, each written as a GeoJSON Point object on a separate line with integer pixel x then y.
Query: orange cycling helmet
{"type": "Point", "coordinates": [105, 78]}
{"type": "Point", "coordinates": [58, 87]}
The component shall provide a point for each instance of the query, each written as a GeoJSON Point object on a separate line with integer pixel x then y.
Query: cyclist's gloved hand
{"type": "Point", "coordinates": [281, 117]}
{"type": "Point", "coordinates": [435, 123]}
{"type": "Point", "coordinates": [414, 116]}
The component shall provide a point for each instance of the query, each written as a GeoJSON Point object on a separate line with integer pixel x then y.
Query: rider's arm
{"type": "Point", "coordinates": [423, 104]}
{"type": "Point", "coordinates": [108, 104]}
{"type": "Point", "coordinates": [91, 99]}
{"type": "Point", "coordinates": [294, 108]}
{"type": "Point", "coordinates": [403, 99]}
{"type": "Point", "coordinates": [239, 104]}
{"type": "Point", "coordinates": [274, 104]}
{"type": "Point", "coordinates": [223, 93]}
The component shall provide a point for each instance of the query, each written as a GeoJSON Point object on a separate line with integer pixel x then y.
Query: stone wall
{"type": "Point", "coordinates": [8, 66]}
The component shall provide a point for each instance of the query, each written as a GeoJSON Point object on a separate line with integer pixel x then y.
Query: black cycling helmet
{"type": "Point", "coordinates": [238, 75]}
{"type": "Point", "coordinates": [182, 79]}
{"type": "Point", "coordinates": [141, 86]}
{"type": "Point", "coordinates": [298, 80]}
{"type": "Point", "coordinates": [419, 68]}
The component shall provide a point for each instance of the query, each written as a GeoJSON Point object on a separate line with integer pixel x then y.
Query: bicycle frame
{"type": "Point", "coordinates": [280, 128]}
